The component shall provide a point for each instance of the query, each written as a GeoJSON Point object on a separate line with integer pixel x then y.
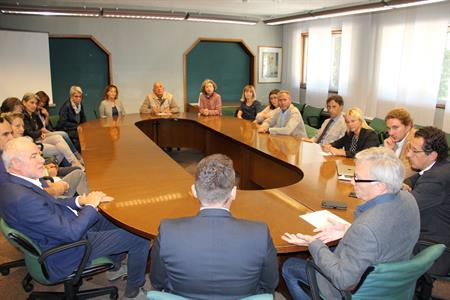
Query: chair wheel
{"type": "Point", "coordinates": [28, 287]}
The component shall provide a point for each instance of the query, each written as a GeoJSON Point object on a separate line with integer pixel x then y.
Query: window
{"type": "Point", "coordinates": [444, 87]}
{"type": "Point", "coordinates": [335, 60]}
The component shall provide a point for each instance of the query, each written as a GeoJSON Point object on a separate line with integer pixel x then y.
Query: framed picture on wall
{"type": "Point", "coordinates": [269, 64]}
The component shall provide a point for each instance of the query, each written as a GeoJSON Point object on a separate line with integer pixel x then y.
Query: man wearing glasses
{"type": "Point", "coordinates": [431, 188]}
{"type": "Point", "coordinates": [385, 229]}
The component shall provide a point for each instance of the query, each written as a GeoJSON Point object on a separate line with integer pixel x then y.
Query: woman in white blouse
{"type": "Point", "coordinates": [270, 109]}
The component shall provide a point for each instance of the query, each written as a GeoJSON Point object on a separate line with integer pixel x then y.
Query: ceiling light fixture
{"type": "Point", "coordinates": [349, 10]}
{"type": "Point", "coordinates": [220, 19]}
{"type": "Point", "coordinates": [50, 11]}
{"type": "Point", "coordinates": [142, 14]}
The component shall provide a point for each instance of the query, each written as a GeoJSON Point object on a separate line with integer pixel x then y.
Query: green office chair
{"type": "Point", "coordinates": [380, 128]}
{"type": "Point", "coordinates": [155, 295]}
{"type": "Point", "coordinates": [387, 281]}
{"type": "Point", "coordinates": [310, 131]}
{"type": "Point", "coordinates": [53, 121]}
{"type": "Point", "coordinates": [299, 106]}
{"type": "Point", "coordinates": [36, 266]}
{"type": "Point", "coordinates": [311, 116]}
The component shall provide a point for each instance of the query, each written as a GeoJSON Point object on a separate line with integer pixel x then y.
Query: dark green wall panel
{"type": "Point", "coordinates": [224, 62]}
{"type": "Point", "coordinates": [78, 61]}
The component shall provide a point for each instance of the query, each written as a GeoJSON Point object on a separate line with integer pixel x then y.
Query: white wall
{"type": "Point", "coordinates": [144, 51]}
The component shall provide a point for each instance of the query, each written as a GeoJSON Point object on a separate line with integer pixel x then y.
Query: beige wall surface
{"type": "Point", "coordinates": [144, 51]}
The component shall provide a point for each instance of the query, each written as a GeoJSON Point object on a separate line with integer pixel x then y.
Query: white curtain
{"type": "Point", "coordinates": [446, 126]}
{"type": "Point", "coordinates": [291, 60]}
{"type": "Point", "coordinates": [388, 59]}
{"type": "Point", "coordinates": [408, 56]}
{"type": "Point", "coordinates": [356, 63]}
{"type": "Point", "coordinates": [319, 63]}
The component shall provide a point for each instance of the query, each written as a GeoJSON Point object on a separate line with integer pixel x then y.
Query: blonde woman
{"type": "Point", "coordinates": [270, 109]}
{"type": "Point", "coordinates": [249, 105]}
{"type": "Point", "coordinates": [359, 136]}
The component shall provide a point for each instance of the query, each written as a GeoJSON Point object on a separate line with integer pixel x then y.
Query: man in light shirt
{"type": "Point", "coordinates": [286, 119]}
{"type": "Point", "coordinates": [159, 101]}
{"type": "Point", "coordinates": [401, 132]}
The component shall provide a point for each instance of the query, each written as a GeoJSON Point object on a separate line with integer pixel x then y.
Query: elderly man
{"type": "Point", "coordinates": [286, 119]}
{"type": "Point", "coordinates": [49, 222]}
{"type": "Point", "coordinates": [159, 101]}
{"type": "Point", "coordinates": [334, 127]}
{"type": "Point", "coordinates": [401, 131]}
{"type": "Point", "coordinates": [377, 181]}
{"type": "Point", "coordinates": [428, 152]}
{"type": "Point", "coordinates": [214, 255]}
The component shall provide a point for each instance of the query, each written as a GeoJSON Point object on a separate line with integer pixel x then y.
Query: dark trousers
{"type": "Point", "coordinates": [109, 240]}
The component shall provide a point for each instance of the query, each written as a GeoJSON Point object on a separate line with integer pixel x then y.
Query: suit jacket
{"type": "Point", "coordinates": [335, 132]}
{"type": "Point", "coordinates": [214, 256]}
{"type": "Point", "coordinates": [67, 117]}
{"type": "Point", "coordinates": [47, 221]}
{"type": "Point", "coordinates": [386, 232]}
{"type": "Point", "coordinates": [105, 108]}
{"type": "Point", "coordinates": [367, 138]}
{"type": "Point", "coordinates": [432, 192]}
{"type": "Point", "coordinates": [289, 124]}
{"type": "Point", "coordinates": [152, 101]}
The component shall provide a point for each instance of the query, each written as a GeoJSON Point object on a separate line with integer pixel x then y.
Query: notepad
{"type": "Point", "coordinates": [320, 218]}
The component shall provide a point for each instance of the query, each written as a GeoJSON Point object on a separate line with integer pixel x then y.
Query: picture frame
{"type": "Point", "coordinates": [270, 61]}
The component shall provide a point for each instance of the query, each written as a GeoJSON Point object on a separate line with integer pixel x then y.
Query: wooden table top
{"type": "Point", "coordinates": [148, 185]}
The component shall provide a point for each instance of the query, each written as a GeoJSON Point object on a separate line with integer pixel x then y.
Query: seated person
{"type": "Point", "coordinates": [334, 127]}
{"type": "Point", "coordinates": [428, 153]}
{"type": "Point", "coordinates": [50, 222]}
{"type": "Point", "coordinates": [110, 105]}
{"type": "Point", "coordinates": [221, 257]}
{"type": "Point", "coordinates": [359, 136]}
{"type": "Point", "coordinates": [401, 131]}
{"type": "Point", "coordinates": [42, 111]}
{"type": "Point", "coordinates": [11, 104]}
{"type": "Point", "coordinates": [35, 129]}
{"type": "Point", "coordinates": [5, 136]}
{"type": "Point", "coordinates": [73, 180]}
{"type": "Point", "coordinates": [209, 101]}
{"type": "Point", "coordinates": [378, 181]}
{"type": "Point", "coordinates": [268, 112]}
{"type": "Point", "coordinates": [71, 115]}
{"type": "Point", "coordinates": [249, 105]}
{"type": "Point", "coordinates": [159, 101]}
{"type": "Point", "coordinates": [286, 119]}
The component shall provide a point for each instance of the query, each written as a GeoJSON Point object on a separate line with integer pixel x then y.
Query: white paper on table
{"type": "Point", "coordinates": [320, 218]}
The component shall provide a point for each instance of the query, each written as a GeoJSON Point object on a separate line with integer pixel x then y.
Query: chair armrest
{"type": "Point", "coordinates": [314, 123]}
{"type": "Point", "coordinates": [431, 243]}
{"type": "Point", "coordinates": [81, 266]}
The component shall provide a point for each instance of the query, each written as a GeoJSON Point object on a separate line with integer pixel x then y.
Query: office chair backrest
{"type": "Point", "coordinates": [311, 115]}
{"type": "Point", "coordinates": [155, 295]}
{"type": "Point", "coordinates": [397, 280]}
{"type": "Point", "coordinates": [30, 252]}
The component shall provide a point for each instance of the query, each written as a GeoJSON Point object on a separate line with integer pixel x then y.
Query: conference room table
{"type": "Point", "coordinates": [280, 177]}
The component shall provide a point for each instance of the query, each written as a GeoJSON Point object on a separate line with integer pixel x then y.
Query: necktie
{"type": "Point", "coordinates": [324, 132]}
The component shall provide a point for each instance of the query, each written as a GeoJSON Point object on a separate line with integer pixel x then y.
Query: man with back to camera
{"type": "Point", "coordinates": [428, 152]}
{"type": "Point", "coordinates": [378, 181]}
{"type": "Point", "coordinates": [286, 119]}
{"type": "Point", "coordinates": [159, 101]}
{"type": "Point", "coordinates": [334, 127]}
{"type": "Point", "coordinates": [214, 255]}
{"type": "Point", "coordinates": [50, 222]}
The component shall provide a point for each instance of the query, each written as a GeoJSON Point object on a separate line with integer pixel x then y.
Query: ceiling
{"type": "Point", "coordinates": [262, 9]}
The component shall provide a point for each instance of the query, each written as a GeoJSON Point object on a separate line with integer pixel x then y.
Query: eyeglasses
{"type": "Point", "coordinates": [356, 180]}
{"type": "Point", "coordinates": [416, 151]}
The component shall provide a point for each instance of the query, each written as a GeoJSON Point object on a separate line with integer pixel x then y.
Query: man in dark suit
{"type": "Point", "coordinates": [214, 255]}
{"type": "Point", "coordinates": [428, 154]}
{"type": "Point", "coordinates": [50, 222]}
